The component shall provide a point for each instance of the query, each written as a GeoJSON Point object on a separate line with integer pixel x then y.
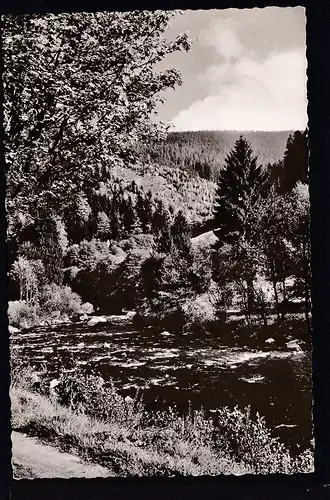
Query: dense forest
{"type": "Point", "coordinates": [204, 152]}
{"type": "Point", "coordinates": [123, 245]}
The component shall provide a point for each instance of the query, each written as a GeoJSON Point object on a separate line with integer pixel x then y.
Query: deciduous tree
{"type": "Point", "coordinates": [79, 90]}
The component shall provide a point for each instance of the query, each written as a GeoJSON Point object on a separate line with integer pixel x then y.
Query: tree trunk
{"type": "Point", "coordinates": [276, 299]}
{"type": "Point", "coordinates": [284, 298]}
{"type": "Point", "coordinates": [250, 295]}
{"type": "Point", "coordinates": [263, 312]}
{"type": "Point", "coordinates": [306, 284]}
{"type": "Point", "coordinates": [273, 279]}
{"type": "Point", "coordinates": [244, 297]}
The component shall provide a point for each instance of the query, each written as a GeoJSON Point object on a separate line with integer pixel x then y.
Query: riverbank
{"type": "Point", "coordinates": [119, 434]}
{"type": "Point", "coordinates": [229, 365]}
{"type": "Point", "coordinates": [111, 446]}
{"type": "Point", "coordinates": [82, 319]}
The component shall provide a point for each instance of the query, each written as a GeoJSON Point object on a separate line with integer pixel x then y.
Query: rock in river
{"type": "Point", "coordinates": [166, 334]}
{"type": "Point", "coordinates": [294, 345]}
{"type": "Point", "coordinates": [96, 320]}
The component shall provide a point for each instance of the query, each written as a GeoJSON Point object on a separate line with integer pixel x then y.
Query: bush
{"type": "Point", "coordinates": [23, 314]}
{"type": "Point", "coordinates": [250, 442]}
{"type": "Point", "coordinates": [87, 308]}
{"type": "Point", "coordinates": [89, 394]}
{"type": "Point", "coordinates": [162, 311]}
{"type": "Point", "coordinates": [198, 310]}
{"type": "Point", "coordinates": [60, 300]}
{"type": "Point", "coordinates": [54, 301]}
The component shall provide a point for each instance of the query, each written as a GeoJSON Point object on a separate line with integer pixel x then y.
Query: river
{"type": "Point", "coordinates": [178, 369]}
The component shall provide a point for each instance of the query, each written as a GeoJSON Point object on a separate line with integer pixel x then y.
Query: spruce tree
{"type": "Point", "coordinates": [115, 225]}
{"type": "Point", "coordinates": [164, 240]}
{"type": "Point", "coordinates": [241, 184]}
{"type": "Point", "coordinates": [181, 233]}
{"type": "Point", "coordinates": [148, 212]}
{"type": "Point", "coordinates": [143, 212]}
{"type": "Point", "coordinates": [128, 215]}
{"type": "Point", "coordinates": [295, 165]}
{"type": "Point", "coordinates": [103, 230]}
{"type": "Point", "coordinates": [161, 218]}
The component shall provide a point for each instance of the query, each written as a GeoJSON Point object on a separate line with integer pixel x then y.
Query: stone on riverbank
{"type": "Point", "coordinates": [13, 329]}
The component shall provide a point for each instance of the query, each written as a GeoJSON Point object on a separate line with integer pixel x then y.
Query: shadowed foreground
{"type": "Point", "coordinates": [130, 441]}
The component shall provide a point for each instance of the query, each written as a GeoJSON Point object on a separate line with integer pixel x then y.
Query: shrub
{"type": "Point", "coordinates": [198, 310]}
{"type": "Point", "coordinates": [249, 441]}
{"type": "Point", "coordinates": [87, 308]}
{"type": "Point", "coordinates": [59, 299]}
{"type": "Point", "coordinates": [89, 394]}
{"type": "Point", "coordinates": [23, 314]}
{"type": "Point", "coordinates": [162, 311]}
{"type": "Point", "coordinates": [169, 430]}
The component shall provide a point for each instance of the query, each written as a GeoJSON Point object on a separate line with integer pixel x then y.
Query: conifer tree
{"type": "Point", "coordinates": [142, 213]}
{"type": "Point", "coordinates": [241, 184]}
{"type": "Point", "coordinates": [76, 218]}
{"type": "Point", "coordinates": [103, 230]}
{"type": "Point", "coordinates": [115, 225]}
{"type": "Point", "coordinates": [133, 187]}
{"type": "Point", "coordinates": [181, 233]}
{"type": "Point", "coordinates": [295, 165]}
{"type": "Point", "coordinates": [148, 212]}
{"type": "Point", "coordinates": [128, 215]}
{"type": "Point", "coordinates": [161, 218]}
{"type": "Point", "coordinates": [164, 240]}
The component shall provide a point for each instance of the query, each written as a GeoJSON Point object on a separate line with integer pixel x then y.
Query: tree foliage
{"type": "Point", "coordinates": [263, 232]}
{"type": "Point", "coordinates": [79, 90]}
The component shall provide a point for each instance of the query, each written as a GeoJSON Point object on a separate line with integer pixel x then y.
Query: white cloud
{"type": "Point", "coordinates": [249, 94]}
{"type": "Point", "coordinates": [223, 37]}
{"type": "Point", "coordinates": [257, 82]}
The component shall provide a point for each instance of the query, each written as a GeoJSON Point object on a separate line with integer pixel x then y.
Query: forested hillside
{"type": "Point", "coordinates": [203, 152]}
{"type": "Point", "coordinates": [183, 169]}
{"type": "Point", "coordinates": [127, 243]}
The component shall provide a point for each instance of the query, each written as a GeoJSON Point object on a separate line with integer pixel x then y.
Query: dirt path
{"type": "Point", "coordinates": [32, 459]}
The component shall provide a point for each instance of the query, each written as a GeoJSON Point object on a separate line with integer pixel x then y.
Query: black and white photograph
{"type": "Point", "coordinates": [158, 235]}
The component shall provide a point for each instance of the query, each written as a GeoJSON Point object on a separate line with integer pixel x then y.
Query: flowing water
{"type": "Point", "coordinates": [177, 369]}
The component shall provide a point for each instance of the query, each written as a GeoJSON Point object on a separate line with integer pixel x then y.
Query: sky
{"type": "Point", "coordinates": [246, 70]}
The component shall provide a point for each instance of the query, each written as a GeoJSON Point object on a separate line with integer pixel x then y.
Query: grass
{"type": "Point", "coordinates": [123, 436]}
{"type": "Point", "coordinates": [113, 446]}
